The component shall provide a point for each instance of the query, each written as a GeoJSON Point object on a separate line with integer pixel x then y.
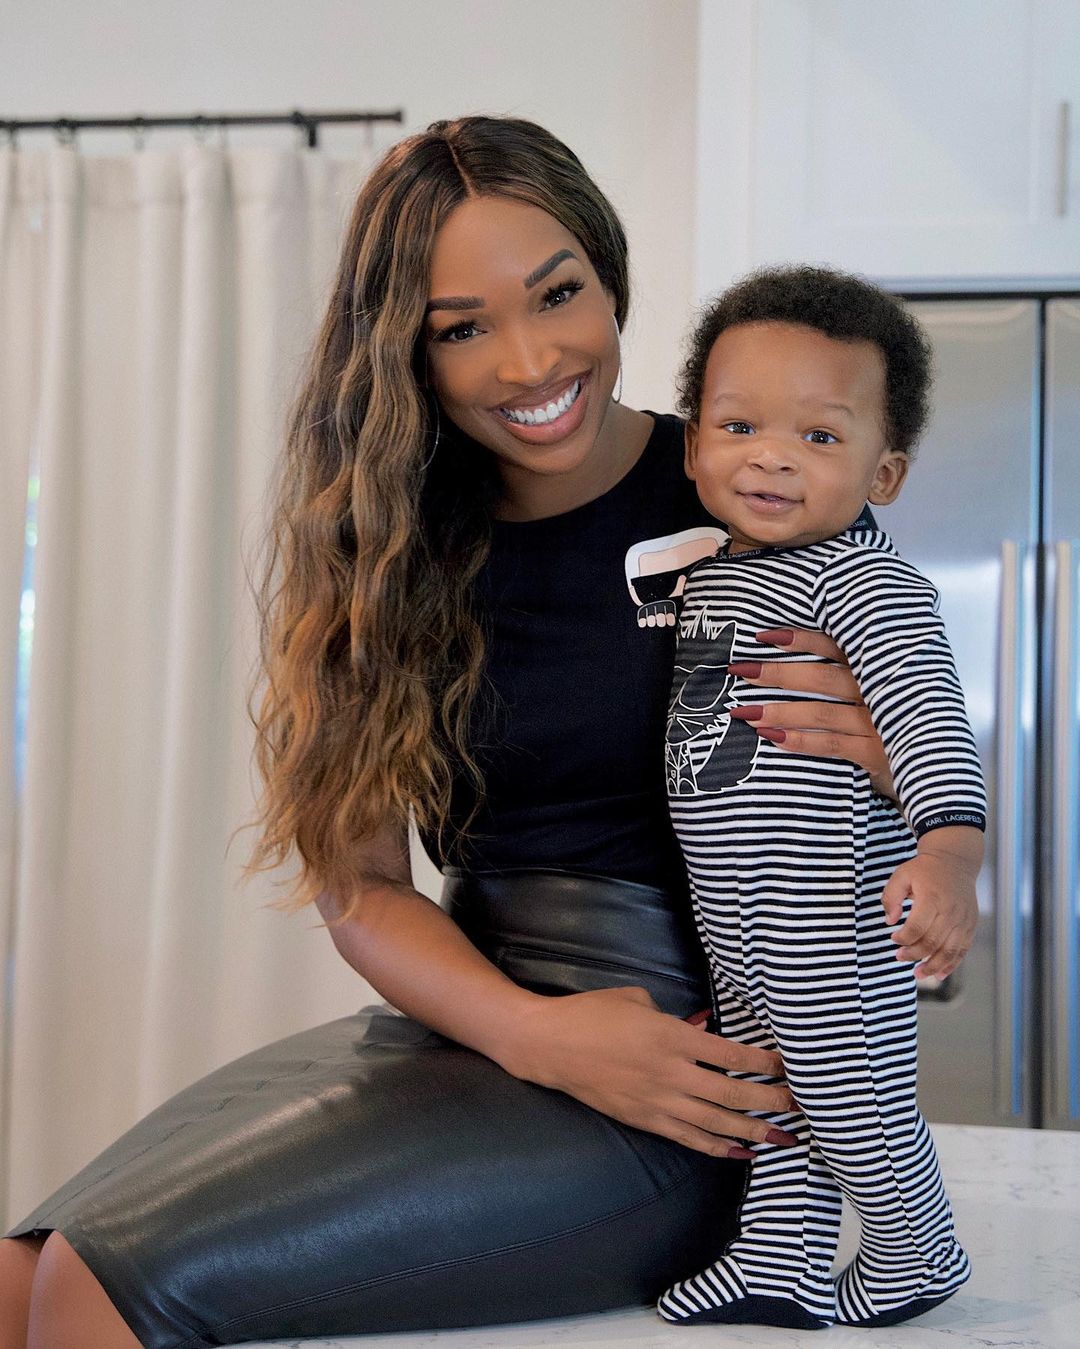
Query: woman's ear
{"type": "Point", "coordinates": [690, 435]}
{"type": "Point", "coordinates": [889, 478]}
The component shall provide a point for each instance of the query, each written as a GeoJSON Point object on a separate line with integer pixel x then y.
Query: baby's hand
{"type": "Point", "coordinates": [944, 912]}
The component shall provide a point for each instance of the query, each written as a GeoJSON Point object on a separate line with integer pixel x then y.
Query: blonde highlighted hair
{"type": "Point", "coordinates": [371, 652]}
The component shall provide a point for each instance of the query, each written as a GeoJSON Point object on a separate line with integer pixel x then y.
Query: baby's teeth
{"type": "Point", "coordinates": [553, 411]}
{"type": "Point", "coordinates": [540, 416]}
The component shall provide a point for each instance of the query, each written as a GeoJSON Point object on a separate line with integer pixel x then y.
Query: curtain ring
{"type": "Point", "coordinates": [65, 131]}
{"type": "Point", "coordinates": [199, 128]}
{"type": "Point", "coordinates": [138, 131]}
{"type": "Point", "coordinates": [13, 139]}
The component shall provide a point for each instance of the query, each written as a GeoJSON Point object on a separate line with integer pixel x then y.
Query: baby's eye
{"type": "Point", "coordinates": [738, 428]}
{"type": "Point", "coordinates": [820, 437]}
{"type": "Point", "coordinates": [456, 333]}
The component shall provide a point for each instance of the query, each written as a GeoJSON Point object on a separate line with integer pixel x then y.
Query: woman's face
{"type": "Point", "coordinates": [523, 351]}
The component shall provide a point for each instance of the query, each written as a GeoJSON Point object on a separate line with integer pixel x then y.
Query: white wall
{"type": "Point", "coordinates": [614, 78]}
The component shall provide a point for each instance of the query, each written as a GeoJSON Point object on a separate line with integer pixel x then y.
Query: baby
{"type": "Point", "coordinates": [805, 392]}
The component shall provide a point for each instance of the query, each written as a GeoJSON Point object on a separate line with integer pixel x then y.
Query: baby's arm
{"type": "Point", "coordinates": [940, 882]}
{"type": "Point", "coordinates": [884, 614]}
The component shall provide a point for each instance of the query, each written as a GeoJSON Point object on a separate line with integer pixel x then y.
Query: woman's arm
{"type": "Point", "coordinates": [612, 1049]}
{"type": "Point", "coordinates": [829, 730]}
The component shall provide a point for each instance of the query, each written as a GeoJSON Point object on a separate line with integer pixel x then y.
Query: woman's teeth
{"type": "Point", "coordinates": [547, 412]}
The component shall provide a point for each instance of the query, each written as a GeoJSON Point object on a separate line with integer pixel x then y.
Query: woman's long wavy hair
{"type": "Point", "coordinates": [371, 653]}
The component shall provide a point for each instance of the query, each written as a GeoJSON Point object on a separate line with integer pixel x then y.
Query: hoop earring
{"type": "Point", "coordinates": [616, 393]}
{"type": "Point", "coordinates": [438, 429]}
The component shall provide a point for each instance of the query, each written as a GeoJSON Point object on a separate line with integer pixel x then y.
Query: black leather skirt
{"type": "Point", "coordinates": [371, 1176]}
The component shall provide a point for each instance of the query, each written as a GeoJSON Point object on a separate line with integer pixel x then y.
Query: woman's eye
{"type": "Point", "coordinates": [738, 428]}
{"type": "Point", "coordinates": [457, 332]}
{"type": "Point", "coordinates": [558, 295]}
{"type": "Point", "coordinates": [820, 438]}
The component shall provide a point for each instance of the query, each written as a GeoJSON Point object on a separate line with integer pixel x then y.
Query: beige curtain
{"type": "Point", "coordinates": [155, 310]}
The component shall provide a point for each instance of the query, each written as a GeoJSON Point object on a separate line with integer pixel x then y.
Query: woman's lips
{"type": "Point", "coordinates": [563, 425]}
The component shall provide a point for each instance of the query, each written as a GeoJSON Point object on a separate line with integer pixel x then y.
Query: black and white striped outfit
{"type": "Point", "coordinates": [788, 856]}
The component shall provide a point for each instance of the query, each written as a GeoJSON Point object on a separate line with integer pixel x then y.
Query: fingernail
{"type": "Point", "coordinates": [740, 1154]}
{"type": "Point", "coordinates": [780, 1136]}
{"type": "Point", "coordinates": [776, 636]}
{"type": "Point", "coordinates": [745, 669]}
{"type": "Point", "coordinates": [777, 737]}
{"type": "Point", "coordinates": [746, 713]}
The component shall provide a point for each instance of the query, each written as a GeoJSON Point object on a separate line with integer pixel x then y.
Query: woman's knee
{"type": "Point", "coordinates": [18, 1263]}
{"type": "Point", "coordinates": [68, 1307]}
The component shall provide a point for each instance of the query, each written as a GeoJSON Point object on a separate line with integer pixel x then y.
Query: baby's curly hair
{"type": "Point", "coordinates": [845, 307]}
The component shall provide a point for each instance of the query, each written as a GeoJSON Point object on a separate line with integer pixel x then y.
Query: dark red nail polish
{"type": "Point", "coordinates": [746, 713]}
{"type": "Point", "coordinates": [745, 669]}
{"type": "Point", "coordinates": [776, 636]}
{"type": "Point", "coordinates": [782, 1137]}
{"type": "Point", "coordinates": [740, 1154]}
{"type": "Point", "coordinates": [777, 737]}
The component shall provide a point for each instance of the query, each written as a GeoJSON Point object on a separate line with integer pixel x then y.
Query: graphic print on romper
{"type": "Point", "coordinates": [706, 749]}
{"type": "Point", "coordinates": [656, 571]}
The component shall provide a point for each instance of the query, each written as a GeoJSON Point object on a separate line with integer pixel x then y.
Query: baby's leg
{"type": "Point", "coordinates": [778, 1270]}
{"type": "Point", "coordinates": [861, 1103]}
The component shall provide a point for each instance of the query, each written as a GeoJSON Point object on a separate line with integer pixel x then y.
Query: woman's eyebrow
{"type": "Point", "coordinates": [477, 301]}
{"type": "Point", "coordinates": [545, 268]}
{"type": "Point", "coordinates": [455, 302]}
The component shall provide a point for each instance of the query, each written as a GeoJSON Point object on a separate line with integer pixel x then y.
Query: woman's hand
{"type": "Point", "coordinates": [832, 730]}
{"type": "Point", "coordinates": [616, 1051]}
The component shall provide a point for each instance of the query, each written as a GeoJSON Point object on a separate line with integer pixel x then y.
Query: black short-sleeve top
{"type": "Point", "coordinates": [579, 611]}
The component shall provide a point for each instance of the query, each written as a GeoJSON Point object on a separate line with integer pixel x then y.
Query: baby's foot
{"type": "Point", "coordinates": [875, 1295]}
{"type": "Point", "coordinates": [720, 1296]}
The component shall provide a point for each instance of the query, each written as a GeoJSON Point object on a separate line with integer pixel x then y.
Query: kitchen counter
{"type": "Point", "coordinates": [1016, 1194]}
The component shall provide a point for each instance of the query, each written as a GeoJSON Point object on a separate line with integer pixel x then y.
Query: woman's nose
{"type": "Point", "coordinates": [527, 358]}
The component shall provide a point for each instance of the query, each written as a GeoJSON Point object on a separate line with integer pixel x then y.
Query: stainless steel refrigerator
{"type": "Point", "coordinates": [991, 513]}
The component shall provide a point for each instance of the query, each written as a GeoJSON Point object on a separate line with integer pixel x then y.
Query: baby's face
{"type": "Point", "coordinates": [790, 442]}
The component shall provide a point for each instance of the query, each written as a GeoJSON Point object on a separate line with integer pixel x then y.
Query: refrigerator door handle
{"type": "Point", "coordinates": [1064, 1009]}
{"type": "Point", "coordinates": [1013, 867]}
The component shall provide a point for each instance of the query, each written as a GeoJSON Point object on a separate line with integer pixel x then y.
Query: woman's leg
{"type": "Point", "coordinates": [18, 1260]}
{"type": "Point", "coordinates": [69, 1309]}
{"type": "Point", "coordinates": [369, 1176]}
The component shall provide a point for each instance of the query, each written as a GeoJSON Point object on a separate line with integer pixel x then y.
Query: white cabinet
{"type": "Point", "coordinates": [926, 140]}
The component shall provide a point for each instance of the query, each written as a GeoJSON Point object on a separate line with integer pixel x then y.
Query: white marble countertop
{"type": "Point", "coordinates": [1016, 1195]}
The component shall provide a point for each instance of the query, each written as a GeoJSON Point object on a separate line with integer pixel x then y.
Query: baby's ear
{"type": "Point", "coordinates": [690, 435]}
{"type": "Point", "coordinates": [889, 478]}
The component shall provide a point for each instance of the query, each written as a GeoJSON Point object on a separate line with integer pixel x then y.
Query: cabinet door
{"type": "Point", "coordinates": [925, 140]}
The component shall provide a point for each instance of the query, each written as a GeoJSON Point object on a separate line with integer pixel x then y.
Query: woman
{"type": "Point", "coordinates": [467, 613]}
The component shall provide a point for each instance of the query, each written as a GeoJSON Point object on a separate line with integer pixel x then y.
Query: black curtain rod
{"type": "Point", "coordinates": [309, 122]}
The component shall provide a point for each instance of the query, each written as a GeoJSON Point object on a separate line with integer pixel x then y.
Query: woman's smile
{"type": "Point", "coordinates": [550, 416]}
